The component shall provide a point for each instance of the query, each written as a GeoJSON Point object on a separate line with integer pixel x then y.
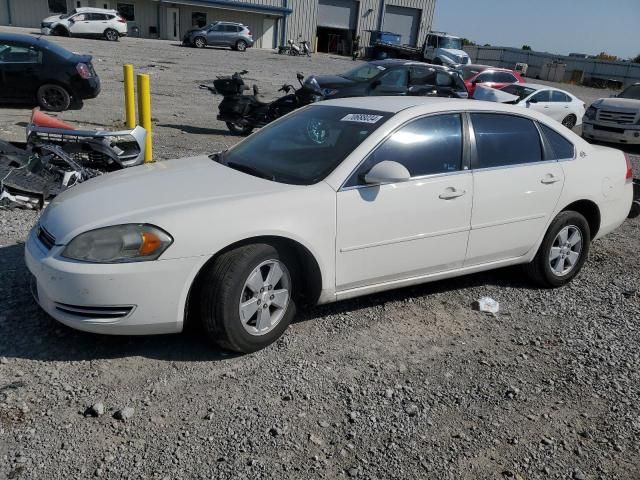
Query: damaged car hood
{"type": "Point", "coordinates": [620, 104]}
{"type": "Point", "coordinates": [489, 94]}
{"type": "Point", "coordinates": [147, 193]}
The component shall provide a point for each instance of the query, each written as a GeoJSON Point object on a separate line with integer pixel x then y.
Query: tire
{"type": "Point", "coordinates": [199, 42]}
{"type": "Point", "coordinates": [239, 129]}
{"type": "Point", "coordinates": [569, 121]}
{"type": "Point", "coordinates": [241, 46]}
{"type": "Point", "coordinates": [60, 32]}
{"type": "Point", "coordinates": [540, 269]}
{"type": "Point", "coordinates": [111, 35]}
{"type": "Point", "coordinates": [53, 97]}
{"type": "Point", "coordinates": [226, 285]}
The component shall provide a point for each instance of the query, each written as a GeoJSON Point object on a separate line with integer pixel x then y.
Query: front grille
{"type": "Point", "coordinates": [46, 238]}
{"type": "Point", "coordinates": [94, 312]}
{"type": "Point", "coordinates": [625, 118]}
{"type": "Point", "coordinates": [608, 129]}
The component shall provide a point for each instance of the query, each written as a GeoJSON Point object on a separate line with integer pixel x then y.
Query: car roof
{"type": "Point", "coordinates": [94, 10]}
{"type": "Point", "coordinates": [427, 104]}
{"type": "Point", "coordinates": [394, 62]}
{"type": "Point", "coordinates": [18, 37]}
{"type": "Point", "coordinates": [221, 22]}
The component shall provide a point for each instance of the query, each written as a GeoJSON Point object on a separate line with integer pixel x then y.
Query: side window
{"type": "Point", "coordinates": [19, 54]}
{"type": "Point", "coordinates": [394, 78]}
{"type": "Point", "coordinates": [557, 96]}
{"type": "Point", "coordinates": [81, 17]}
{"type": "Point", "coordinates": [230, 28]}
{"type": "Point", "coordinates": [543, 96]}
{"type": "Point", "coordinates": [432, 41]}
{"type": "Point", "coordinates": [503, 140]}
{"type": "Point", "coordinates": [444, 80]}
{"type": "Point", "coordinates": [426, 146]}
{"type": "Point", "coordinates": [97, 17]}
{"type": "Point", "coordinates": [484, 77]}
{"type": "Point", "coordinates": [562, 148]}
{"type": "Point", "coordinates": [422, 76]}
{"type": "Point", "coordinates": [504, 77]}
{"type": "Point", "coordinates": [216, 28]}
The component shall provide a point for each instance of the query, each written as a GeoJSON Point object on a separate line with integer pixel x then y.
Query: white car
{"type": "Point", "coordinates": [558, 104]}
{"type": "Point", "coordinates": [339, 199]}
{"type": "Point", "coordinates": [615, 119]}
{"type": "Point", "coordinates": [86, 22]}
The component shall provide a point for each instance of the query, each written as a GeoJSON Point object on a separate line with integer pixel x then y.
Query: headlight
{"type": "Point", "coordinates": [327, 92]}
{"type": "Point", "coordinates": [119, 244]}
{"type": "Point", "coordinates": [591, 113]}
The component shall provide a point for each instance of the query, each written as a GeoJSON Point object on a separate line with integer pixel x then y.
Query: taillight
{"type": "Point", "coordinates": [83, 70]}
{"type": "Point", "coordinates": [122, 20]}
{"type": "Point", "coordinates": [248, 32]}
{"type": "Point", "coordinates": [629, 176]}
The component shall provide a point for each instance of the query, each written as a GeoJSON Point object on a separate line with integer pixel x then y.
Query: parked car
{"type": "Point", "coordinates": [558, 104]}
{"type": "Point", "coordinates": [391, 77]}
{"type": "Point", "coordinates": [339, 199]}
{"type": "Point", "coordinates": [86, 22]}
{"type": "Point", "coordinates": [34, 71]}
{"type": "Point", "coordinates": [487, 76]}
{"type": "Point", "coordinates": [220, 34]}
{"type": "Point", "coordinates": [615, 119]}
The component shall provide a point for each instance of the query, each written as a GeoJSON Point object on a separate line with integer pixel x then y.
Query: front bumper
{"type": "Point", "coordinates": [626, 134]}
{"type": "Point", "coordinates": [115, 299]}
{"type": "Point", "coordinates": [45, 30]}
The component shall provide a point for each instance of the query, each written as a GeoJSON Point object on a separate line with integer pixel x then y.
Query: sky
{"type": "Point", "coordinates": [557, 26]}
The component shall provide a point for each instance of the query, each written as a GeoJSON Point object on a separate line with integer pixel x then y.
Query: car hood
{"type": "Point", "coordinates": [489, 94]}
{"type": "Point", "coordinates": [333, 81]}
{"type": "Point", "coordinates": [144, 194]}
{"type": "Point", "coordinates": [456, 56]}
{"type": "Point", "coordinates": [51, 19]}
{"type": "Point", "coordinates": [193, 30]}
{"type": "Point", "coordinates": [620, 104]}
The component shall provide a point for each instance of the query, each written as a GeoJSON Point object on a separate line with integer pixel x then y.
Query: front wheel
{"type": "Point", "coordinates": [199, 42]}
{"type": "Point", "coordinates": [563, 251]}
{"type": "Point", "coordinates": [53, 98]}
{"type": "Point", "coordinates": [241, 45]}
{"type": "Point", "coordinates": [111, 35]}
{"type": "Point", "coordinates": [247, 297]}
{"type": "Point", "coordinates": [239, 129]}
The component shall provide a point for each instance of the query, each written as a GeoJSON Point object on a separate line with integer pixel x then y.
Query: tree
{"type": "Point", "coordinates": [466, 41]}
{"type": "Point", "coordinates": [526, 47]}
{"type": "Point", "coordinates": [606, 56]}
{"type": "Point", "coordinates": [636, 59]}
{"type": "Point", "coordinates": [487, 45]}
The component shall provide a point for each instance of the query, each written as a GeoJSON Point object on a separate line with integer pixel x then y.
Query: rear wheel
{"type": "Point", "coordinates": [241, 45]}
{"type": "Point", "coordinates": [563, 251]}
{"type": "Point", "coordinates": [569, 121]}
{"type": "Point", "coordinates": [111, 35]}
{"type": "Point", "coordinates": [199, 42]}
{"type": "Point", "coordinates": [247, 297]}
{"type": "Point", "coordinates": [238, 129]}
{"type": "Point", "coordinates": [53, 98]}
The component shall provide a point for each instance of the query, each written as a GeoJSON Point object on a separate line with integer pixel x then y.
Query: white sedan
{"type": "Point", "coordinates": [339, 199]}
{"type": "Point", "coordinates": [558, 104]}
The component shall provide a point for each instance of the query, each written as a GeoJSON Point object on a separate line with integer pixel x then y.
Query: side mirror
{"type": "Point", "coordinates": [387, 171]}
{"type": "Point", "coordinates": [532, 100]}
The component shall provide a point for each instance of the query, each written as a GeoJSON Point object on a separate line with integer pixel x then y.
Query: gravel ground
{"type": "Point", "coordinates": [408, 384]}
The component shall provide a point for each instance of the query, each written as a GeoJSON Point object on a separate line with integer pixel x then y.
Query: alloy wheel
{"type": "Point", "coordinates": [241, 46]}
{"type": "Point", "coordinates": [565, 250]}
{"type": "Point", "coordinates": [265, 297]}
{"type": "Point", "coordinates": [111, 35]}
{"type": "Point", "coordinates": [54, 98]}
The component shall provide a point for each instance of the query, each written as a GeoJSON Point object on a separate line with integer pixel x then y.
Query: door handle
{"type": "Point", "coordinates": [549, 179]}
{"type": "Point", "coordinates": [450, 193]}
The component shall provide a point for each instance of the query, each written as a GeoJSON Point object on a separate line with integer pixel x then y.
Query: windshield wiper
{"type": "Point", "coordinates": [250, 170]}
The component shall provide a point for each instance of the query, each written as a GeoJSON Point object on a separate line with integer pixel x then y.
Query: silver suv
{"type": "Point", "coordinates": [220, 34]}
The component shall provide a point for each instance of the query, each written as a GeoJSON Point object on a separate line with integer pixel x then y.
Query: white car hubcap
{"type": "Point", "coordinates": [265, 297]}
{"type": "Point", "coordinates": [565, 250]}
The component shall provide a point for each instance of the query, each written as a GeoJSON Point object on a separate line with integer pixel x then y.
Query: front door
{"type": "Point", "coordinates": [267, 33]}
{"type": "Point", "coordinates": [173, 24]}
{"type": "Point", "coordinates": [215, 35]}
{"type": "Point", "coordinates": [541, 102]}
{"type": "Point", "coordinates": [79, 24]}
{"type": "Point", "coordinates": [392, 82]}
{"type": "Point", "coordinates": [515, 189]}
{"type": "Point", "coordinates": [400, 230]}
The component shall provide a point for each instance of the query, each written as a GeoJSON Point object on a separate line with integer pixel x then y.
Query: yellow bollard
{"type": "Point", "coordinates": [129, 97]}
{"type": "Point", "coordinates": [144, 113]}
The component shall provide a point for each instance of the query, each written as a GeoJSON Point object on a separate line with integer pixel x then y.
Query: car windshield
{"type": "Point", "coordinates": [468, 72]}
{"type": "Point", "coordinates": [520, 91]}
{"type": "Point", "coordinates": [304, 147]}
{"type": "Point", "coordinates": [364, 72]}
{"type": "Point", "coordinates": [449, 42]}
{"type": "Point", "coordinates": [631, 92]}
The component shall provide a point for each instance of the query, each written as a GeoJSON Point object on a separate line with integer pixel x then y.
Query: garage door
{"type": "Point", "coordinates": [337, 14]}
{"type": "Point", "coordinates": [403, 21]}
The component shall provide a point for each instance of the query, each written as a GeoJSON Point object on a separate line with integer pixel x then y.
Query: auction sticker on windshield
{"type": "Point", "coordinates": [361, 118]}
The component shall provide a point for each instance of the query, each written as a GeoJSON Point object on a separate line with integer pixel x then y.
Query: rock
{"type": "Point", "coordinates": [411, 409]}
{"type": "Point", "coordinates": [324, 424]}
{"type": "Point", "coordinates": [287, 397]}
{"type": "Point", "coordinates": [315, 439]}
{"type": "Point", "coordinates": [3, 360]}
{"type": "Point", "coordinates": [95, 410]}
{"type": "Point", "coordinates": [388, 393]}
{"type": "Point", "coordinates": [275, 431]}
{"type": "Point", "coordinates": [124, 414]}
{"type": "Point", "coordinates": [578, 475]}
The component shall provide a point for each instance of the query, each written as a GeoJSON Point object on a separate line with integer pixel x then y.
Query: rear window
{"type": "Point", "coordinates": [503, 140]}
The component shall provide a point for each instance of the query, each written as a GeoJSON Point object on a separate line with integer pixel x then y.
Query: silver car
{"type": "Point", "coordinates": [220, 34]}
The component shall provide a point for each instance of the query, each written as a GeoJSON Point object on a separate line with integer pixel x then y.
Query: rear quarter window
{"type": "Point", "coordinates": [561, 148]}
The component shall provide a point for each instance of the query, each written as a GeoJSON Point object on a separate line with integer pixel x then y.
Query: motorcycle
{"type": "Point", "coordinates": [243, 113]}
{"type": "Point", "coordinates": [293, 49]}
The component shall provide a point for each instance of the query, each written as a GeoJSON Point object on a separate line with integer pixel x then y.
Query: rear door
{"type": "Point", "coordinates": [516, 186]}
{"type": "Point", "coordinates": [20, 71]}
{"type": "Point", "coordinates": [97, 23]}
{"type": "Point", "coordinates": [559, 105]}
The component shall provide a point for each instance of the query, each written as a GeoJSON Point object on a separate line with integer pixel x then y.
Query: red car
{"type": "Point", "coordinates": [489, 76]}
